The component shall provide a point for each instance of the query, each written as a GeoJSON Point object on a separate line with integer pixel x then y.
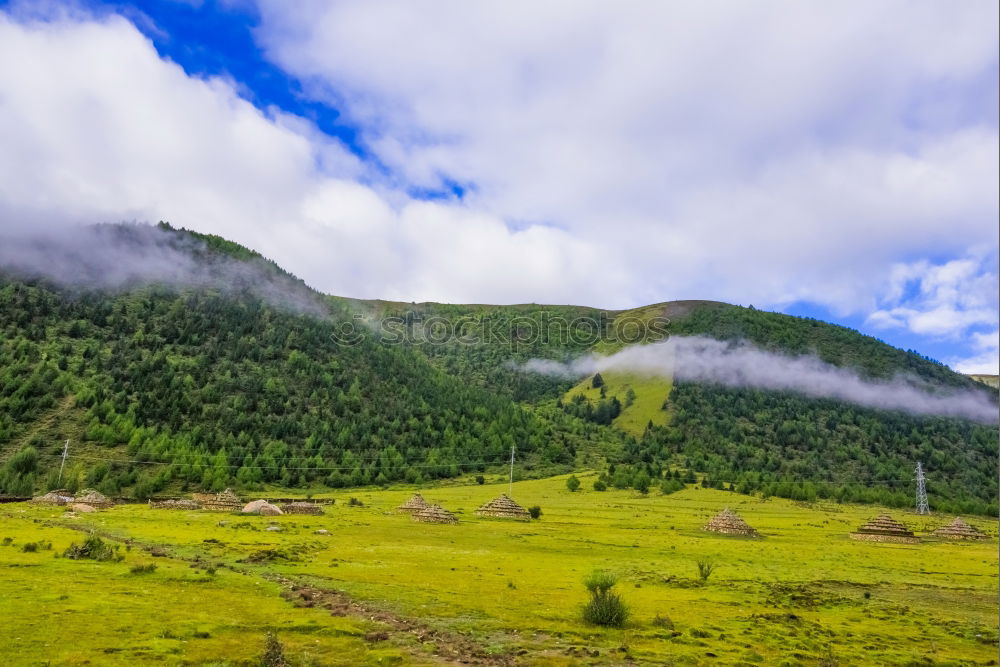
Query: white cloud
{"type": "Point", "coordinates": [987, 358]}
{"type": "Point", "coordinates": [761, 152]}
{"type": "Point", "coordinates": [95, 126]}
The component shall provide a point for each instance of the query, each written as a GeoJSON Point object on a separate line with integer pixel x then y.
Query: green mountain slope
{"type": "Point", "coordinates": [243, 378]}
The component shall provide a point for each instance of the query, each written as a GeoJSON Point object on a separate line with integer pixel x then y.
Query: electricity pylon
{"type": "Point", "coordinates": [921, 491]}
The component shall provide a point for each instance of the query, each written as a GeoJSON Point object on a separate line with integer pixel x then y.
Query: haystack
{"type": "Point", "coordinates": [227, 501]}
{"type": "Point", "coordinates": [82, 507]}
{"type": "Point", "coordinates": [262, 507]}
{"type": "Point", "coordinates": [729, 522]}
{"type": "Point", "coordinates": [94, 498]}
{"type": "Point", "coordinates": [416, 502]}
{"type": "Point", "coordinates": [884, 528]}
{"type": "Point", "coordinates": [434, 514]}
{"type": "Point", "coordinates": [959, 530]}
{"type": "Point", "coordinates": [504, 507]}
{"type": "Point", "coordinates": [54, 497]}
{"type": "Point", "coordinates": [181, 504]}
{"type": "Point", "coordinates": [301, 508]}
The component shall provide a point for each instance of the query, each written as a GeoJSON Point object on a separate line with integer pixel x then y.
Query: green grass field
{"type": "Point", "coordinates": [382, 589]}
{"type": "Point", "coordinates": [650, 394]}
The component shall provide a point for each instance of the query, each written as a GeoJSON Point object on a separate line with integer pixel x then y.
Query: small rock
{"type": "Point", "coordinates": [273, 529]}
{"type": "Point", "coordinates": [322, 531]}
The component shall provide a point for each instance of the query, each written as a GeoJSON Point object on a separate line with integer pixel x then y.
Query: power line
{"type": "Point", "coordinates": [921, 491]}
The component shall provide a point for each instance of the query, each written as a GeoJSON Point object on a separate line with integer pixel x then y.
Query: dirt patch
{"type": "Point", "coordinates": [450, 646]}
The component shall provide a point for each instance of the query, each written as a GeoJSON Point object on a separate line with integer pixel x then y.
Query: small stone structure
{"type": "Point", "coordinates": [503, 507]}
{"type": "Point", "coordinates": [416, 502]}
{"type": "Point", "coordinates": [227, 501]}
{"type": "Point", "coordinates": [884, 528]}
{"type": "Point", "coordinates": [54, 497]}
{"type": "Point", "coordinates": [729, 522]}
{"type": "Point", "coordinates": [181, 504]}
{"type": "Point", "coordinates": [301, 508]}
{"type": "Point", "coordinates": [959, 530]}
{"type": "Point", "coordinates": [434, 514]}
{"type": "Point", "coordinates": [94, 498]}
{"type": "Point", "coordinates": [261, 507]}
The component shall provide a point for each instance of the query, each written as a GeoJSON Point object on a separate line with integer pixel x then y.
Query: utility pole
{"type": "Point", "coordinates": [921, 491]}
{"type": "Point", "coordinates": [63, 464]}
{"type": "Point", "coordinates": [511, 492]}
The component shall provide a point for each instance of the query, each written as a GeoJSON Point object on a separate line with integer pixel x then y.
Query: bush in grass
{"type": "Point", "coordinates": [480, 480]}
{"type": "Point", "coordinates": [274, 653]}
{"type": "Point", "coordinates": [705, 569]}
{"type": "Point", "coordinates": [93, 548]}
{"type": "Point", "coordinates": [572, 483]}
{"type": "Point", "coordinates": [7, 541]}
{"type": "Point", "coordinates": [30, 547]}
{"type": "Point", "coordinates": [600, 486]}
{"type": "Point", "coordinates": [663, 622]}
{"type": "Point", "coordinates": [148, 568]}
{"type": "Point", "coordinates": [535, 511]}
{"type": "Point", "coordinates": [605, 607]}
{"type": "Point", "coordinates": [354, 502]}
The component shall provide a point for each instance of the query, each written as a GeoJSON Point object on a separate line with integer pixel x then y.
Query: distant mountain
{"type": "Point", "coordinates": [173, 360]}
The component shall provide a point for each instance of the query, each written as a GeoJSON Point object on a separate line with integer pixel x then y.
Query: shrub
{"type": "Point", "coordinates": [705, 569]}
{"type": "Point", "coordinates": [29, 547]}
{"type": "Point", "coordinates": [274, 653]}
{"type": "Point", "coordinates": [93, 548]}
{"type": "Point", "coordinates": [480, 480]}
{"type": "Point", "coordinates": [663, 622]}
{"type": "Point", "coordinates": [605, 607]}
{"type": "Point", "coordinates": [354, 502]}
{"type": "Point", "coordinates": [600, 486]}
{"type": "Point", "coordinates": [669, 486]}
{"type": "Point", "coordinates": [535, 511]}
{"type": "Point", "coordinates": [572, 483]}
{"type": "Point", "coordinates": [148, 568]}
{"type": "Point", "coordinates": [7, 541]}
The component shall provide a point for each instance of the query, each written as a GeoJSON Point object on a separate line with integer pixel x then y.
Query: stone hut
{"type": "Point", "coordinates": [227, 501]}
{"type": "Point", "coordinates": [181, 504]}
{"type": "Point", "coordinates": [54, 497]}
{"type": "Point", "coordinates": [434, 514]}
{"type": "Point", "coordinates": [504, 507]}
{"type": "Point", "coordinates": [416, 502]}
{"type": "Point", "coordinates": [301, 508]}
{"type": "Point", "coordinates": [884, 528]}
{"type": "Point", "coordinates": [261, 507]}
{"type": "Point", "coordinates": [729, 522]}
{"type": "Point", "coordinates": [959, 530]}
{"type": "Point", "coordinates": [94, 498]}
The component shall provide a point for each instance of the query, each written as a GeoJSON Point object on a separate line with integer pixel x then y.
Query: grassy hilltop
{"type": "Point", "coordinates": [497, 592]}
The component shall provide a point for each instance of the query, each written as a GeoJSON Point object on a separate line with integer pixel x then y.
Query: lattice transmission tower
{"type": "Point", "coordinates": [922, 507]}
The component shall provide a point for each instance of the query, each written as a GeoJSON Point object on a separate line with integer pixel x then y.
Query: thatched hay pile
{"type": "Point", "coordinates": [416, 502]}
{"type": "Point", "coordinates": [94, 498]}
{"type": "Point", "coordinates": [434, 514]}
{"type": "Point", "coordinates": [54, 497]}
{"type": "Point", "coordinates": [227, 501]}
{"type": "Point", "coordinates": [884, 528]}
{"type": "Point", "coordinates": [504, 507]}
{"type": "Point", "coordinates": [301, 508]}
{"type": "Point", "coordinates": [729, 522]}
{"type": "Point", "coordinates": [959, 530]}
{"type": "Point", "coordinates": [261, 507]}
{"type": "Point", "coordinates": [174, 505]}
{"type": "Point", "coordinates": [82, 507]}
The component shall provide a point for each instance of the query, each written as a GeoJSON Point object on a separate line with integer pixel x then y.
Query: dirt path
{"type": "Point", "coordinates": [449, 647]}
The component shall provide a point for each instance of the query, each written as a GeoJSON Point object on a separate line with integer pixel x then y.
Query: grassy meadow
{"type": "Point", "coordinates": [383, 589]}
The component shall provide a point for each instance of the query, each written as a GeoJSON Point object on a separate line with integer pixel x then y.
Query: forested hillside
{"type": "Point", "coordinates": [237, 374]}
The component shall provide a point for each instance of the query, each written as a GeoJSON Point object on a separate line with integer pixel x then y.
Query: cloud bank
{"type": "Point", "coordinates": [701, 359]}
{"type": "Point", "coordinates": [122, 257]}
{"type": "Point", "coordinates": [610, 155]}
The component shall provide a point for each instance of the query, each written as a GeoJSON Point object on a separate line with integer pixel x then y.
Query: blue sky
{"type": "Point", "coordinates": [817, 160]}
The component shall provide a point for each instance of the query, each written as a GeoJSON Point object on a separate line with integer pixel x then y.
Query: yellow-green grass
{"type": "Point", "coordinates": [797, 595]}
{"type": "Point", "coordinates": [650, 395]}
{"type": "Point", "coordinates": [58, 611]}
